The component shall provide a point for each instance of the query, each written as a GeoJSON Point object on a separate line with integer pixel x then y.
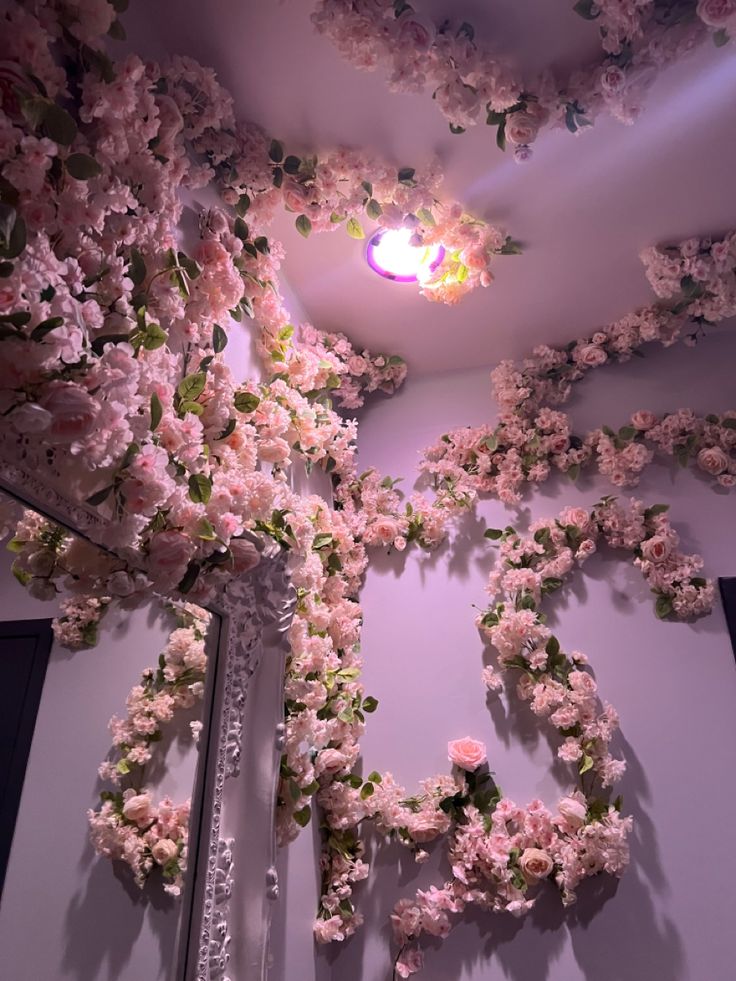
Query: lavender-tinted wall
{"type": "Point", "coordinates": [674, 684]}
{"type": "Point", "coordinates": [65, 913]}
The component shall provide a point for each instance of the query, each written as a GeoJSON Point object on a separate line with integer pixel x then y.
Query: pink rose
{"type": "Point", "coordinates": [73, 411]}
{"type": "Point", "coordinates": [716, 13]}
{"type": "Point", "coordinates": [30, 418]}
{"type": "Point", "coordinates": [466, 753]}
{"type": "Point", "coordinates": [357, 365]}
{"type": "Point", "coordinates": [414, 32]}
{"type": "Point", "coordinates": [426, 825]}
{"type": "Point", "coordinates": [643, 420]}
{"type": "Point", "coordinates": [164, 851]}
{"type": "Point", "coordinates": [575, 516]}
{"type": "Point", "coordinates": [245, 555]}
{"type": "Point", "coordinates": [385, 529]}
{"type": "Point", "coordinates": [573, 811]}
{"type": "Point", "coordinates": [656, 549]}
{"type": "Point", "coordinates": [138, 809]}
{"type": "Point", "coordinates": [168, 555]}
{"type": "Point", "coordinates": [521, 128]}
{"type": "Point", "coordinates": [591, 356]}
{"type": "Point", "coordinates": [613, 80]}
{"type": "Point", "coordinates": [535, 864]}
{"type": "Point", "coordinates": [713, 460]}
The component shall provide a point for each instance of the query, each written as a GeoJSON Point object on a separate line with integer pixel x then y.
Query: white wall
{"type": "Point", "coordinates": [66, 913]}
{"type": "Point", "coordinates": [674, 685]}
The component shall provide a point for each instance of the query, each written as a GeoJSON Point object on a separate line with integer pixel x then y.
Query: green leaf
{"type": "Point", "coordinates": [587, 9]}
{"type": "Point", "coordinates": [406, 176]}
{"type": "Point", "coordinates": [6, 269]}
{"type": "Point", "coordinates": [154, 337]}
{"type": "Point", "coordinates": [585, 764]}
{"type": "Point", "coordinates": [136, 267]}
{"type": "Point", "coordinates": [367, 187]}
{"type": "Point", "coordinates": [336, 219]}
{"type": "Point", "coordinates": [553, 646]}
{"type": "Point", "coordinates": [190, 577]}
{"type": "Point", "coordinates": [242, 205]}
{"type": "Point", "coordinates": [720, 38]}
{"type": "Point", "coordinates": [355, 229]}
{"type": "Point", "coordinates": [663, 607]}
{"type": "Point", "coordinates": [303, 225]}
{"type": "Point", "coordinates": [425, 216]}
{"type": "Point", "coordinates": [192, 386]}
{"type": "Point", "coordinates": [302, 817]}
{"type": "Point", "coordinates": [117, 31]}
{"type": "Point", "coordinates": [370, 704]}
{"type": "Point", "coordinates": [82, 167]}
{"type": "Point", "coordinates": [276, 151]}
{"type": "Point", "coordinates": [729, 423]}
{"type": "Point", "coordinates": [200, 488]}
{"type": "Point", "coordinates": [373, 209]}
{"type": "Point", "coordinates": [510, 247]}
{"type": "Point", "coordinates": [15, 243]}
{"type": "Point", "coordinates": [501, 134]}
{"type": "Point", "coordinates": [656, 509]}
{"type": "Point", "coordinates": [324, 538]}
{"type": "Point", "coordinates": [261, 244]}
{"type": "Point", "coordinates": [99, 496]}
{"type": "Point", "coordinates": [157, 410]}
{"type": "Point", "coordinates": [573, 472]}
{"type": "Point", "coordinates": [627, 432]}
{"type": "Point", "coordinates": [246, 401]}
{"type": "Point", "coordinates": [240, 229]}
{"type": "Point", "coordinates": [45, 327]}
{"type": "Point", "coordinates": [278, 177]}
{"type": "Point", "coordinates": [219, 339]}
{"type": "Point", "coordinates": [58, 125]}
{"type": "Point", "coordinates": [190, 267]}
{"type": "Point", "coordinates": [456, 130]}
{"type": "Point", "coordinates": [493, 533]}
{"type": "Point", "coordinates": [123, 767]}
{"type": "Point", "coordinates": [291, 164]}
{"type": "Point", "coordinates": [367, 791]}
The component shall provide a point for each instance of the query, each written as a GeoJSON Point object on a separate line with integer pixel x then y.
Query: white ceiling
{"type": "Point", "coordinates": [583, 207]}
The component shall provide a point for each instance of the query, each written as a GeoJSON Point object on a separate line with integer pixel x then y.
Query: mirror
{"type": "Point", "coordinates": [118, 730]}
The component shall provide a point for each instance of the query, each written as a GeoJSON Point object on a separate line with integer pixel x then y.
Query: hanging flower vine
{"type": "Point", "coordinates": [471, 84]}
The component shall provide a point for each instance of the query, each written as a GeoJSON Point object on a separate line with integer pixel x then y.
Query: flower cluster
{"type": "Point", "coordinates": [127, 825]}
{"type": "Point", "coordinates": [531, 438]}
{"type": "Point", "coordinates": [469, 83]}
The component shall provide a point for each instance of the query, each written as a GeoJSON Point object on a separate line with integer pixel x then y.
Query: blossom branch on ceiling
{"type": "Point", "coordinates": [471, 84]}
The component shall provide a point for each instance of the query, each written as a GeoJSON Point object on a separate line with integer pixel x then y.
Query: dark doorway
{"type": "Point", "coordinates": [24, 654]}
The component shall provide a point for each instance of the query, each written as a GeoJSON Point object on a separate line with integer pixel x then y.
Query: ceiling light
{"type": "Point", "coordinates": [391, 254]}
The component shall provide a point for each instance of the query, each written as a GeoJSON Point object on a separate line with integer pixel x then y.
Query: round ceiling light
{"type": "Point", "coordinates": [391, 254]}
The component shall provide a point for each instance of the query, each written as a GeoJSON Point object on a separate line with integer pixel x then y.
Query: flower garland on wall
{"type": "Point", "coordinates": [128, 826]}
{"type": "Point", "coordinates": [114, 334]}
{"type": "Point", "coordinates": [469, 83]}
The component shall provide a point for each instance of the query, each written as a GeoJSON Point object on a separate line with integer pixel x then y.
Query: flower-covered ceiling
{"type": "Point", "coordinates": [583, 207]}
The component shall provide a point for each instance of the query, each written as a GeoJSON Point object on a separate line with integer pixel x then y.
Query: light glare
{"type": "Point", "coordinates": [391, 255]}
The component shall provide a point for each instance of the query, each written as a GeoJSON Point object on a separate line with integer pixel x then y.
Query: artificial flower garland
{"type": "Point", "coordinates": [116, 344]}
{"type": "Point", "coordinates": [128, 825]}
{"type": "Point", "coordinates": [470, 84]}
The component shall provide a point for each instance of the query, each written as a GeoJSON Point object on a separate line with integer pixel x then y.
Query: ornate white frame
{"type": "Point", "coordinates": [255, 612]}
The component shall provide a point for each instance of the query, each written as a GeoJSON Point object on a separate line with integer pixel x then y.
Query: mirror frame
{"type": "Point", "coordinates": [255, 613]}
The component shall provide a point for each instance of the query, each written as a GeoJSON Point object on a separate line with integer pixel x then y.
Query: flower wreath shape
{"type": "Point", "coordinates": [469, 82]}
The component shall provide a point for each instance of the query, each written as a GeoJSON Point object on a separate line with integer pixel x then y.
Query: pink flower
{"type": "Point", "coordinates": [716, 13]}
{"type": "Point", "coordinates": [164, 851]}
{"type": "Point", "coordinates": [535, 863]}
{"type": "Point", "coordinates": [467, 753]}
{"type": "Point", "coordinates": [643, 420]}
{"type": "Point", "coordinates": [328, 930]}
{"type": "Point", "coordinates": [409, 962]}
{"type": "Point", "coordinates": [613, 80]}
{"type": "Point", "coordinates": [73, 411]}
{"type": "Point", "coordinates": [245, 555]}
{"type": "Point", "coordinates": [591, 356]}
{"type": "Point", "coordinates": [522, 128]}
{"type": "Point", "coordinates": [138, 809]}
{"type": "Point", "coordinates": [573, 811]}
{"type": "Point", "coordinates": [168, 555]}
{"type": "Point", "coordinates": [713, 460]}
{"type": "Point", "coordinates": [656, 549]}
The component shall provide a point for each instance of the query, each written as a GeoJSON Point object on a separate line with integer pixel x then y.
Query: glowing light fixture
{"type": "Point", "coordinates": [391, 254]}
